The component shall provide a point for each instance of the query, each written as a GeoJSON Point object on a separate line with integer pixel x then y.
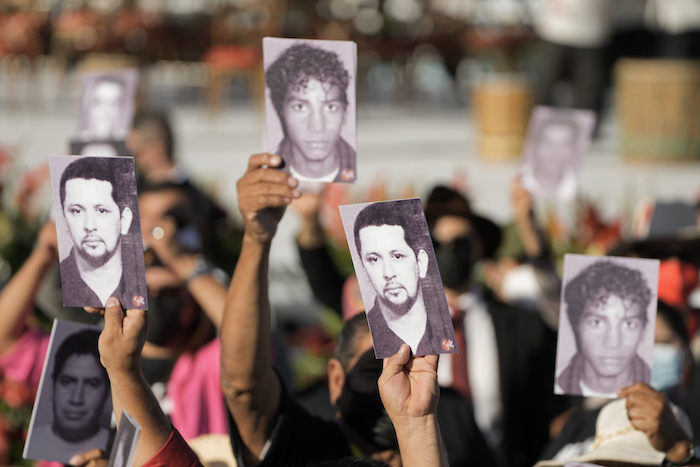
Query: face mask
{"type": "Point", "coordinates": [521, 288]}
{"type": "Point", "coordinates": [667, 367]}
{"type": "Point", "coordinates": [361, 407]}
{"type": "Point", "coordinates": [455, 262]}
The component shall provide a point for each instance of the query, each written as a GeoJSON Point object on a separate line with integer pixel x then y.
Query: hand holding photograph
{"type": "Point", "coordinates": [125, 441]}
{"type": "Point", "coordinates": [311, 107]}
{"type": "Point", "coordinates": [73, 405]}
{"type": "Point", "coordinates": [398, 277]}
{"type": "Point", "coordinates": [606, 324]}
{"type": "Point", "coordinates": [99, 231]}
{"type": "Point", "coordinates": [556, 141]}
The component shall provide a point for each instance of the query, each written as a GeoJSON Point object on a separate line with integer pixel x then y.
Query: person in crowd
{"type": "Point", "coordinates": [308, 87]}
{"type": "Point", "coordinates": [152, 143]}
{"type": "Point", "coordinates": [268, 427]}
{"type": "Point", "coordinates": [668, 378]}
{"type": "Point", "coordinates": [500, 340]}
{"type": "Point", "coordinates": [80, 391]}
{"type": "Point", "coordinates": [95, 203]}
{"type": "Point", "coordinates": [640, 428]}
{"type": "Point", "coordinates": [607, 307]}
{"type": "Point", "coordinates": [394, 254]}
{"type": "Point", "coordinates": [573, 39]}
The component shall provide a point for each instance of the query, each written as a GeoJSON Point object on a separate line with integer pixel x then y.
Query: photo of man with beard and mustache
{"type": "Point", "coordinates": [98, 229]}
{"type": "Point", "coordinates": [398, 277]}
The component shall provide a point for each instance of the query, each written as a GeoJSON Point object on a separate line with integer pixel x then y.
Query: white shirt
{"type": "Point", "coordinates": [578, 23]}
{"type": "Point", "coordinates": [325, 179]}
{"type": "Point", "coordinates": [483, 366]}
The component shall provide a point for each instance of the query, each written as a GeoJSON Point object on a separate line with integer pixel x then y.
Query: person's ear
{"type": "Point", "coordinates": [127, 217]}
{"type": "Point", "coordinates": [422, 264]}
{"type": "Point", "coordinates": [336, 379]}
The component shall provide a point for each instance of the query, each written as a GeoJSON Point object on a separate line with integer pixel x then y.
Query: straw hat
{"type": "Point", "coordinates": [617, 440]}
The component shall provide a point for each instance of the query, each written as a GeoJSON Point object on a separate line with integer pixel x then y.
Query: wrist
{"type": "Point", "coordinates": [251, 240]}
{"type": "Point", "coordinates": [680, 452]}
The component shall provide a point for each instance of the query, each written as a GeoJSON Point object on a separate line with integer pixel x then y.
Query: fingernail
{"type": "Point", "coordinates": [287, 200]}
{"type": "Point", "coordinates": [296, 193]}
{"type": "Point", "coordinates": [402, 349]}
{"type": "Point", "coordinates": [75, 460]}
{"type": "Point", "coordinates": [274, 160]}
{"type": "Point", "coordinates": [291, 181]}
{"type": "Point", "coordinates": [112, 302]}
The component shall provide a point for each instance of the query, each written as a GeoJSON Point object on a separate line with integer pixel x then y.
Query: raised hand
{"type": "Point", "coordinates": [649, 411]}
{"type": "Point", "coordinates": [408, 386]}
{"type": "Point", "coordinates": [263, 194]}
{"type": "Point", "coordinates": [121, 339]}
{"type": "Point", "coordinates": [93, 458]}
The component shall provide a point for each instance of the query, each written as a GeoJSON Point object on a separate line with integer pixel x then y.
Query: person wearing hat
{"type": "Point", "coordinates": [507, 368]}
{"type": "Point", "coordinates": [640, 428]}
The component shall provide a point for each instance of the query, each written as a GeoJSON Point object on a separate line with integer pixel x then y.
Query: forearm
{"type": "Point", "coordinates": [529, 235]}
{"type": "Point", "coordinates": [249, 382]}
{"type": "Point", "coordinates": [130, 392]}
{"type": "Point", "coordinates": [421, 444]}
{"type": "Point", "coordinates": [209, 294]}
{"type": "Point", "coordinates": [311, 234]}
{"type": "Point", "coordinates": [18, 295]}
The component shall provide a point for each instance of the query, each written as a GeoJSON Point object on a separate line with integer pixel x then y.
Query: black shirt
{"type": "Point", "coordinates": [298, 438]}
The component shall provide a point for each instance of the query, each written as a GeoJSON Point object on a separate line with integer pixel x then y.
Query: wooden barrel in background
{"type": "Point", "coordinates": [658, 107]}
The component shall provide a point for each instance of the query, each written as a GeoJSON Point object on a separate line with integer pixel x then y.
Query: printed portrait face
{"type": "Point", "coordinates": [609, 334]}
{"type": "Point", "coordinates": [94, 220]}
{"type": "Point", "coordinates": [314, 115]}
{"type": "Point", "coordinates": [394, 270]}
{"type": "Point", "coordinates": [105, 114]}
{"type": "Point", "coordinates": [80, 390]}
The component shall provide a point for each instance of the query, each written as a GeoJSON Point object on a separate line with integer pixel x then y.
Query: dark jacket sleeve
{"type": "Point", "coordinates": [324, 278]}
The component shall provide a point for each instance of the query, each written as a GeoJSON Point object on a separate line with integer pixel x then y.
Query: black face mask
{"type": "Point", "coordinates": [361, 407]}
{"type": "Point", "coordinates": [455, 262]}
{"type": "Point", "coordinates": [165, 318]}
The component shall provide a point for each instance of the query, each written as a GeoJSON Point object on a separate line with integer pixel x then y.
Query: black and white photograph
{"type": "Point", "coordinates": [606, 325]}
{"type": "Point", "coordinates": [73, 405]}
{"type": "Point", "coordinates": [125, 441]}
{"type": "Point", "coordinates": [310, 103]}
{"type": "Point", "coordinates": [398, 277]}
{"type": "Point", "coordinates": [99, 148]}
{"type": "Point", "coordinates": [557, 139]}
{"type": "Point", "coordinates": [107, 105]}
{"type": "Point", "coordinates": [99, 231]}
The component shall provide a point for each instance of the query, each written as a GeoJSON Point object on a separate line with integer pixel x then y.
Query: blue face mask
{"type": "Point", "coordinates": [667, 367]}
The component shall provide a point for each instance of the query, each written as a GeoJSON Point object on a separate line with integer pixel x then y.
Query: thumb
{"type": "Point", "coordinates": [394, 364]}
{"type": "Point", "coordinates": [114, 314]}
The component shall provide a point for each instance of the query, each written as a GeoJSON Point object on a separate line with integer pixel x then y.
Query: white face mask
{"type": "Point", "coordinates": [520, 287]}
{"type": "Point", "coordinates": [667, 369]}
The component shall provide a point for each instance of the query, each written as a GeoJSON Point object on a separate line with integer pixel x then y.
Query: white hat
{"type": "Point", "coordinates": [617, 440]}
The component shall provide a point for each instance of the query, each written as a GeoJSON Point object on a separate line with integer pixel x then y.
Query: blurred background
{"type": "Point", "coordinates": [445, 89]}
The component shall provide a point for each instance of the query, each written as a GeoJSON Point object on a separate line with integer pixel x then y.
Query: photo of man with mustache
{"type": "Point", "coordinates": [395, 251]}
{"type": "Point", "coordinates": [98, 204]}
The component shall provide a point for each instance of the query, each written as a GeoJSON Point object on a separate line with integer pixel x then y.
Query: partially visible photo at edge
{"type": "Point", "coordinates": [98, 227]}
{"type": "Point", "coordinates": [73, 405]}
{"type": "Point", "coordinates": [124, 444]}
{"type": "Point", "coordinates": [398, 277]}
{"type": "Point", "coordinates": [107, 105]}
{"type": "Point", "coordinates": [311, 107]}
{"type": "Point", "coordinates": [557, 140]}
{"type": "Point", "coordinates": [606, 326]}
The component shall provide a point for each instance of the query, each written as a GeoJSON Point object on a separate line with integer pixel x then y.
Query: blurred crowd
{"type": "Point", "coordinates": [209, 373]}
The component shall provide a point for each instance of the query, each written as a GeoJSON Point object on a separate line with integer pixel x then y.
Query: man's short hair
{"type": "Point", "coordinates": [346, 344]}
{"type": "Point", "coordinates": [599, 281]}
{"type": "Point", "coordinates": [80, 343]}
{"type": "Point", "coordinates": [96, 168]}
{"type": "Point", "coordinates": [400, 214]}
{"type": "Point", "coordinates": [156, 127]}
{"type": "Point", "coordinates": [297, 65]}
